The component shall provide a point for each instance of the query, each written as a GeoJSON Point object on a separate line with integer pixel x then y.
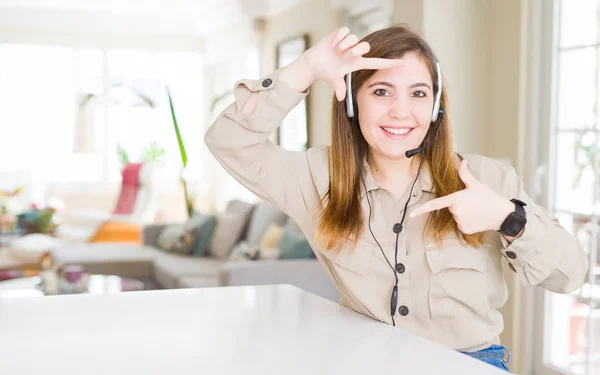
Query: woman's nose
{"type": "Point", "coordinates": [399, 109]}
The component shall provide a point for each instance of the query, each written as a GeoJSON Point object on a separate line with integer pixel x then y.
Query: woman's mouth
{"type": "Point", "coordinates": [396, 133]}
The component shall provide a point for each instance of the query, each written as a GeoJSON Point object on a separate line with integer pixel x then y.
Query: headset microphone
{"type": "Point", "coordinates": [410, 153]}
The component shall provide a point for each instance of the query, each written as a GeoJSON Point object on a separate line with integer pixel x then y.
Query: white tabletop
{"type": "Point", "coordinates": [235, 330]}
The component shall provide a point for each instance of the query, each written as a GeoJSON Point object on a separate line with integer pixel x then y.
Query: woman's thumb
{"type": "Point", "coordinates": [339, 86]}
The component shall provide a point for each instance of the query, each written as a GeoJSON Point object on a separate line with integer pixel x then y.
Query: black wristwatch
{"type": "Point", "coordinates": [515, 222]}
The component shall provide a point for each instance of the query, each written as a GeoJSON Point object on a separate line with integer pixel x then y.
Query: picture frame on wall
{"type": "Point", "coordinates": [293, 133]}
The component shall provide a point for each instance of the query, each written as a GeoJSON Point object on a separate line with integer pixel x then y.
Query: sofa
{"type": "Point", "coordinates": [164, 270]}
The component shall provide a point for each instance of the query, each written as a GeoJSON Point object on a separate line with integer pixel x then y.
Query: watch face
{"type": "Point", "coordinates": [514, 224]}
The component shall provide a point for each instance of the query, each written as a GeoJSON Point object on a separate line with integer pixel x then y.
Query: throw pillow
{"type": "Point", "coordinates": [203, 226]}
{"type": "Point", "coordinates": [294, 245]}
{"type": "Point", "coordinates": [227, 232]}
{"type": "Point", "coordinates": [244, 251]}
{"type": "Point", "coordinates": [178, 239]}
{"type": "Point", "coordinates": [191, 238]}
{"type": "Point", "coordinates": [269, 253]}
{"type": "Point", "coordinates": [243, 209]}
{"type": "Point", "coordinates": [263, 215]}
{"type": "Point", "coordinates": [271, 237]}
{"type": "Point", "coordinates": [293, 226]}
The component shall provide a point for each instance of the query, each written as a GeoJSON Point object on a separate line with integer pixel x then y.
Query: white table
{"type": "Point", "coordinates": [235, 330]}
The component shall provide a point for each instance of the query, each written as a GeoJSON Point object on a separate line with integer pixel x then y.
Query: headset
{"type": "Point", "coordinates": [436, 112]}
{"type": "Point", "coordinates": [437, 115]}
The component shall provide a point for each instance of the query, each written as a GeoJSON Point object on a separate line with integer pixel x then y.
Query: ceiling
{"type": "Point", "coordinates": [164, 17]}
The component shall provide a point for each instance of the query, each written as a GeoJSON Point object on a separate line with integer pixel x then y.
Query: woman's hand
{"type": "Point", "coordinates": [477, 208]}
{"type": "Point", "coordinates": [330, 60]}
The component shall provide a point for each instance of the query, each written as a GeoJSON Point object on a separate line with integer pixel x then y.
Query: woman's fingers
{"type": "Point", "coordinates": [359, 49]}
{"type": "Point", "coordinates": [340, 34]}
{"type": "Point", "coordinates": [339, 86]}
{"type": "Point", "coordinates": [347, 42]}
{"type": "Point", "coordinates": [378, 63]}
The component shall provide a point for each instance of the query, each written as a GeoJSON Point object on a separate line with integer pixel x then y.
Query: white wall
{"type": "Point", "coordinates": [504, 65]}
{"type": "Point", "coordinates": [457, 31]}
{"type": "Point", "coordinates": [317, 19]}
{"type": "Point", "coordinates": [478, 44]}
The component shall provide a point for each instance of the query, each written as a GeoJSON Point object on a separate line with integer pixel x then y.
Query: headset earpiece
{"type": "Point", "coordinates": [349, 99]}
{"type": "Point", "coordinates": [438, 96]}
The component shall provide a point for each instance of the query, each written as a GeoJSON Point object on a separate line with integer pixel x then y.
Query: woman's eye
{"type": "Point", "coordinates": [419, 94]}
{"type": "Point", "coordinates": [381, 92]}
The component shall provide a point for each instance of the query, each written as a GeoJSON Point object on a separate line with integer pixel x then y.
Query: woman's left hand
{"type": "Point", "coordinates": [477, 208]}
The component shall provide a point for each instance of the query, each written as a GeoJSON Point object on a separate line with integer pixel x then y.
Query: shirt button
{"type": "Point", "coordinates": [511, 254]}
{"type": "Point", "coordinates": [397, 228]}
{"type": "Point", "coordinates": [400, 268]}
{"type": "Point", "coordinates": [267, 82]}
{"type": "Point", "coordinates": [403, 310]}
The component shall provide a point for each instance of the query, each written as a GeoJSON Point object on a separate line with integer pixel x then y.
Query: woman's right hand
{"type": "Point", "coordinates": [330, 60]}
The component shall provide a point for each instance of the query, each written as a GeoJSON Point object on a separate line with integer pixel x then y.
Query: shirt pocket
{"type": "Point", "coordinates": [350, 260]}
{"type": "Point", "coordinates": [459, 281]}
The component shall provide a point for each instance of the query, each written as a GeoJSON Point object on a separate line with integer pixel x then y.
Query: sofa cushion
{"type": "Point", "coordinates": [240, 207]}
{"type": "Point", "coordinates": [128, 260]}
{"type": "Point", "coordinates": [244, 251]}
{"type": "Point", "coordinates": [150, 233]}
{"type": "Point", "coordinates": [206, 225]}
{"type": "Point", "coordinates": [294, 245]}
{"type": "Point", "coordinates": [228, 231]}
{"type": "Point", "coordinates": [178, 239]}
{"type": "Point", "coordinates": [293, 226]}
{"type": "Point", "coordinates": [262, 217]}
{"type": "Point", "coordinates": [230, 227]}
{"type": "Point", "coordinates": [191, 238]}
{"type": "Point", "coordinates": [169, 268]}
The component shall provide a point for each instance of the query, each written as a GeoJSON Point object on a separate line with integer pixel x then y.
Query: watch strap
{"type": "Point", "coordinates": [519, 207]}
{"type": "Point", "coordinates": [505, 228]}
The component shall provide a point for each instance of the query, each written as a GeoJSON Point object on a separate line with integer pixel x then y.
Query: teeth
{"type": "Point", "coordinates": [397, 131]}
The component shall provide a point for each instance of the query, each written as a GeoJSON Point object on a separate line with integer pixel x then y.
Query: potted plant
{"type": "Point", "coordinates": [189, 202]}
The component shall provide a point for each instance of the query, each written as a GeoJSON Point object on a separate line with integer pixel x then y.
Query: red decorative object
{"type": "Point", "coordinates": [129, 189]}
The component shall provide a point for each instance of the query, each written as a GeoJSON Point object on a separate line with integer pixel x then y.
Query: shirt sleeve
{"type": "Point", "coordinates": [546, 254]}
{"type": "Point", "coordinates": [241, 144]}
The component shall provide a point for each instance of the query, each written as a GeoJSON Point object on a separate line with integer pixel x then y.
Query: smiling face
{"type": "Point", "coordinates": [395, 107]}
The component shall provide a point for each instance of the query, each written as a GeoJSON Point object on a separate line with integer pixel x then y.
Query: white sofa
{"type": "Point", "coordinates": [161, 269]}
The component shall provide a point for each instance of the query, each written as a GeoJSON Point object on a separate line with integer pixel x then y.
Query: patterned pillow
{"type": "Point", "coordinates": [244, 251]}
{"type": "Point", "coordinates": [191, 238]}
{"type": "Point", "coordinates": [178, 239]}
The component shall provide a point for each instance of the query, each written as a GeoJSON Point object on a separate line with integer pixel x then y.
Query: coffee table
{"type": "Point", "coordinates": [97, 284]}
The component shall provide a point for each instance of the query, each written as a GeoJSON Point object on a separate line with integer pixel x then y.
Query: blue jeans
{"type": "Point", "coordinates": [494, 355]}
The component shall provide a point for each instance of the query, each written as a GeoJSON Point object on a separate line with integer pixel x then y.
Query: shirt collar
{"type": "Point", "coordinates": [424, 182]}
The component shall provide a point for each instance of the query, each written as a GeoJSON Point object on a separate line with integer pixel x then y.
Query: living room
{"type": "Point", "coordinates": [110, 188]}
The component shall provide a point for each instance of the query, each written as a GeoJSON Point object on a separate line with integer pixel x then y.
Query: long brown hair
{"type": "Point", "coordinates": [342, 217]}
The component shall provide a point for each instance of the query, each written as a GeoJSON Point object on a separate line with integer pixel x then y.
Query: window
{"type": "Point", "coordinates": [571, 332]}
{"type": "Point", "coordinates": [138, 78]}
{"type": "Point", "coordinates": [221, 77]}
{"type": "Point", "coordinates": [64, 111]}
{"type": "Point", "coordinates": [37, 111]}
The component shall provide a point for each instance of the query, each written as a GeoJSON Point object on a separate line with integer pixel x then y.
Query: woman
{"type": "Point", "coordinates": [411, 233]}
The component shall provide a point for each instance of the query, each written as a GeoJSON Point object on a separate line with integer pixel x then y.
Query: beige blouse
{"type": "Point", "coordinates": [449, 294]}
